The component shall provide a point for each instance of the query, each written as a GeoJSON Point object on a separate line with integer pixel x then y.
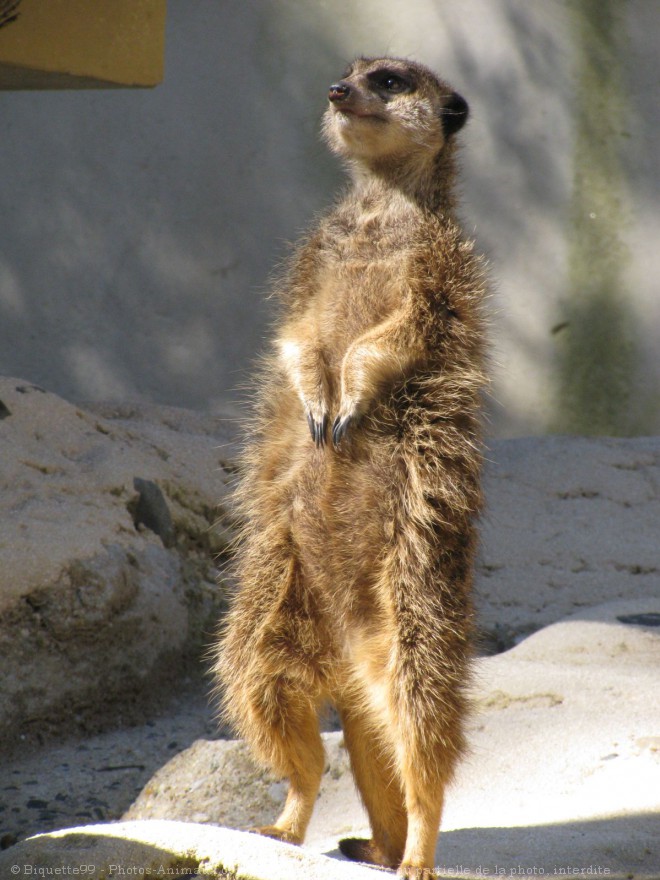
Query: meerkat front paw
{"type": "Point", "coordinates": [317, 428]}
{"type": "Point", "coordinates": [339, 429]}
{"type": "Point", "coordinates": [349, 413]}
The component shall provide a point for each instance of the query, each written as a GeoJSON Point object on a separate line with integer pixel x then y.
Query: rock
{"type": "Point", "coordinates": [563, 770]}
{"type": "Point", "coordinates": [554, 711]}
{"type": "Point", "coordinates": [219, 782]}
{"type": "Point", "coordinates": [106, 583]}
{"type": "Point", "coordinates": [95, 778]}
{"type": "Point", "coordinates": [570, 522]}
{"type": "Point", "coordinates": [152, 512]}
{"type": "Point", "coordinates": [171, 849]}
{"type": "Point", "coordinates": [103, 590]}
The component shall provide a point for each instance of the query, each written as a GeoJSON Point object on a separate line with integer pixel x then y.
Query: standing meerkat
{"type": "Point", "coordinates": [361, 480]}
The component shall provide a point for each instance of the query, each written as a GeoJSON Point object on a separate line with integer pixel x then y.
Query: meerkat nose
{"type": "Point", "coordinates": [339, 92]}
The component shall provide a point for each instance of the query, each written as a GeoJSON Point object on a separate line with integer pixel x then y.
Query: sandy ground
{"type": "Point", "coordinates": [563, 778]}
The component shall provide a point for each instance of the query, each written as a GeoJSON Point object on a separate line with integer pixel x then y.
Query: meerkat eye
{"type": "Point", "coordinates": [391, 83]}
{"type": "Point", "coordinates": [394, 83]}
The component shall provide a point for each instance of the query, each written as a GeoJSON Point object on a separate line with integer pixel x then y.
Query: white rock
{"type": "Point", "coordinates": [91, 607]}
{"type": "Point", "coordinates": [570, 522]}
{"type": "Point", "coordinates": [159, 848]}
{"type": "Point", "coordinates": [563, 770]}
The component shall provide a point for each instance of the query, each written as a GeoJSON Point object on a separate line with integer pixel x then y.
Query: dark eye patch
{"type": "Point", "coordinates": [391, 82]}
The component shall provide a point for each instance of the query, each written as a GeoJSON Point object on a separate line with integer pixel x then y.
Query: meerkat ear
{"type": "Point", "coordinates": [454, 114]}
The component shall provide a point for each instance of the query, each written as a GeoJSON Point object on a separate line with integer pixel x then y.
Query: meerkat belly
{"type": "Point", "coordinates": [342, 529]}
{"type": "Point", "coordinates": [324, 495]}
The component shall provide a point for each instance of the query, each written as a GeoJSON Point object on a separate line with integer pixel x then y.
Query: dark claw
{"type": "Point", "coordinates": [339, 429]}
{"type": "Point", "coordinates": [317, 429]}
{"type": "Point", "coordinates": [321, 429]}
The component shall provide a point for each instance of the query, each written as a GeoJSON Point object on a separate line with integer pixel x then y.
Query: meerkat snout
{"type": "Point", "coordinates": [454, 114]}
{"type": "Point", "coordinates": [338, 92]}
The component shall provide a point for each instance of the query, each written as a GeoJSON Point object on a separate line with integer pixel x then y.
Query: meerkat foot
{"type": "Point", "coordinates": [360, 849]}
{"type": "Point", "coordinates": [276, 834]}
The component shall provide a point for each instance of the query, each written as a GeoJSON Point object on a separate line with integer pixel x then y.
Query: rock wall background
{"type": "Point", "coordinates": [138, 228]}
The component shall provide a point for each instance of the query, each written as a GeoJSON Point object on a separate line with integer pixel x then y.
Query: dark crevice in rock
{"type": "Point", "coordinates": [151, 511]}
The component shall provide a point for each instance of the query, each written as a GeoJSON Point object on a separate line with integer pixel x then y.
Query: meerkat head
{"type": "Point", "coordinates": [387, 110]}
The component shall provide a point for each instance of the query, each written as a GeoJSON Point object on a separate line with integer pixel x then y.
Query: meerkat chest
{"type": "Point", "coordinates": [358, 290]}
{"type": "Point", "coordinates": [365, 266]}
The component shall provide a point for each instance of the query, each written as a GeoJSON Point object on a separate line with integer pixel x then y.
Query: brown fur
{"type": "Point", "coordinates": [355, 562]}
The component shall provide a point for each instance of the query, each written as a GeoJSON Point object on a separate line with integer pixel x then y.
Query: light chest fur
{"type": "Point", "coordinates": [362, 272]}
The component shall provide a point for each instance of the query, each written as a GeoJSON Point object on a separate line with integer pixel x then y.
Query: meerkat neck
{"type": "Point", "coordinates": [426, 184]}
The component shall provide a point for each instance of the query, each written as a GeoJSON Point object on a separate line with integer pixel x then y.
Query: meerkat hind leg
{"type": "Point", "coordinates": [424, 802]}
{"type": "Point", "coordinates": [296, 753]}
{"type": "Point", "coordinates": [380, 790]}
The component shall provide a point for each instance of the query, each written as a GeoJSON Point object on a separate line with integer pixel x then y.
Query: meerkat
{"type": "Point", "coordinates": [361, 480]}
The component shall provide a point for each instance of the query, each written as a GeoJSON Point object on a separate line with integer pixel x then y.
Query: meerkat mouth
{"type": "Point", "coordinates": [358, 114]}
